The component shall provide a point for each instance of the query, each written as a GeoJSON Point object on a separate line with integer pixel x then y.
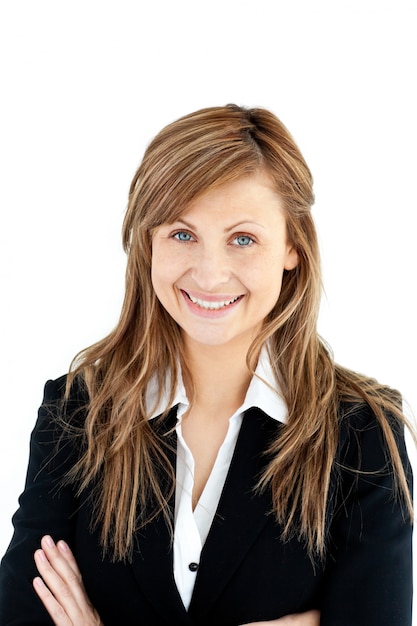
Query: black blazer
{"type": "Point", "coordinates": [246, 572]}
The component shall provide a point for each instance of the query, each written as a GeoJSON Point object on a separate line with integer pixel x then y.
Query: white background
{"type": "Point", "coordinates": [86, 84]}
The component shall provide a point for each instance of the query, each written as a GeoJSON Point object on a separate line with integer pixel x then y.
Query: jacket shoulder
{"type": "Point", "coordinates": [55, 390]}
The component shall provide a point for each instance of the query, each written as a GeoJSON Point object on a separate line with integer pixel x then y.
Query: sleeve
{"type": "Point", "coordinates": [45, 507]}
{"type": "Point", "coordinates": [368, 578]}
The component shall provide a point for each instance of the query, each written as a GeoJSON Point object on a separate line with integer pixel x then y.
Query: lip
{"type": "Point", "coordinates": [210, 313]}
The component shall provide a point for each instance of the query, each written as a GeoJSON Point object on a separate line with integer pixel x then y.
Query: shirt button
{"type": "Point", "coordinates": [193, 567]}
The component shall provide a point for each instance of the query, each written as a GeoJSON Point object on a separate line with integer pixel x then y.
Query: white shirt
{"type": "Point", "coordinates": [192, 527]}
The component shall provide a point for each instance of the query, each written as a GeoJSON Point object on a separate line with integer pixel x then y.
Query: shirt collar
{"type": "Point", "coordinates": [180, 396]}
{"type": "Point", "coordinates": [263, 392]}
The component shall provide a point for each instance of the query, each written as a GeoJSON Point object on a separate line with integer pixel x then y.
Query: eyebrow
{"type": "Point", "coordinates": [226, 230]}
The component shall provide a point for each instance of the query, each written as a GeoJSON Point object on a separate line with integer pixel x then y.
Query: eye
{"type": "Point", "coordinates": [243, 241]}
{"type": "Point", "coordinates": [182, 235]}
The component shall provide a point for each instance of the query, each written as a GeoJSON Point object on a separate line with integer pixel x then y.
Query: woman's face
{"type": "Point", "coordinates": [218, 269]}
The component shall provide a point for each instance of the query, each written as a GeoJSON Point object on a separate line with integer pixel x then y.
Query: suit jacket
{"type": "Point", "coordinates": [246, 572]}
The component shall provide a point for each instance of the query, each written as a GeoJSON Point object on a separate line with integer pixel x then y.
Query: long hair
{"type": "Point", "coordinates": [123, 455]}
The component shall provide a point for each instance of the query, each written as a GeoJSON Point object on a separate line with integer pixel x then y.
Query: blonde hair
{"type": "Point", "coordinates": [123, 455]}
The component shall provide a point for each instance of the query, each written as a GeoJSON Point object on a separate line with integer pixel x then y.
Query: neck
{"type": "Point", "coordinates": [220, 377]}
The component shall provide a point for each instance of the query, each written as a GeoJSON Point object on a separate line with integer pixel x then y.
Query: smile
{"type": "Point", "coordinates": [212, 305]}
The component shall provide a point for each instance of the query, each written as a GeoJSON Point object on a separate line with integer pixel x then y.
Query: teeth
{"type": "Point", "coordinates": [212, 305]}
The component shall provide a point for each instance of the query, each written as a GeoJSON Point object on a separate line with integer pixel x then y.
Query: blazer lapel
{"type": "Point", "coordinates": [153, 559]}
{"type": "Point", "coordinates": [241, 513]}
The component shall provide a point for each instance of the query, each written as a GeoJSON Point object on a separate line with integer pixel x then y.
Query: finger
{"type": "Point", "coordinates": [55, 610]}
{"type": "Point", "coordinates": [63, 562]}
{"type": "Point", "coordinates": [309, 618]}
{"type": "Point", "coordinates": [63, 583]}
{"type": "Point", "coordinates": [59, 569]}
{"type": "Point", "coordinates": [314, 617]}
{"type": "Point", "coordinates": [64, 551]}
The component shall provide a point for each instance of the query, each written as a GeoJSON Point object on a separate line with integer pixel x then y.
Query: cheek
{"type": "Point", "coordinates": [159, 276]}
{"type": "Point", "coordinates": [166, 269]}
{"type": "Point", "coordinates": [266, 277]}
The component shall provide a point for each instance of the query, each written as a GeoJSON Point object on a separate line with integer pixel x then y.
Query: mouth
{"type": "Point", "coordinates": [212, 305]}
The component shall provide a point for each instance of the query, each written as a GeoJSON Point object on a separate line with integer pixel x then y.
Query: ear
{"type": "Point", "coordinates": [292, 259]}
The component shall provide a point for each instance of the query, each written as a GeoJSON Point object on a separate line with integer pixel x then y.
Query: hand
{"type": "Point", "coordinates": [310, 618]}
{"type": "Point", "coordinates": [61, 588]}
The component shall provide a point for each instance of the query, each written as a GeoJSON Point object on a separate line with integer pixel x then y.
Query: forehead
{"type": "Point", "coordinates": [255, 193]}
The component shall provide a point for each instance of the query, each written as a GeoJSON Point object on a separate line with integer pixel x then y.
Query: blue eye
{"type": "Point", "coordinates": [182, 235]}
{"type": "Point", "coordinates": [243, 240]}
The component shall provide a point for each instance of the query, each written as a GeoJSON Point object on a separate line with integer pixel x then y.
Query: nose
{"type": "Point", "coordinates": [211, 268]}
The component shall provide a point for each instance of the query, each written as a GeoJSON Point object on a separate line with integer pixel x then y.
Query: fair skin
{"type": "Point", "coordinates": [230, 246]}
{"type": "Point", "coordinates": [218, 272]}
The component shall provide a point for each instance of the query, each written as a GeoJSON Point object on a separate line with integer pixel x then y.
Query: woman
{"type": "Point", "coordinates": [208, 462]}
